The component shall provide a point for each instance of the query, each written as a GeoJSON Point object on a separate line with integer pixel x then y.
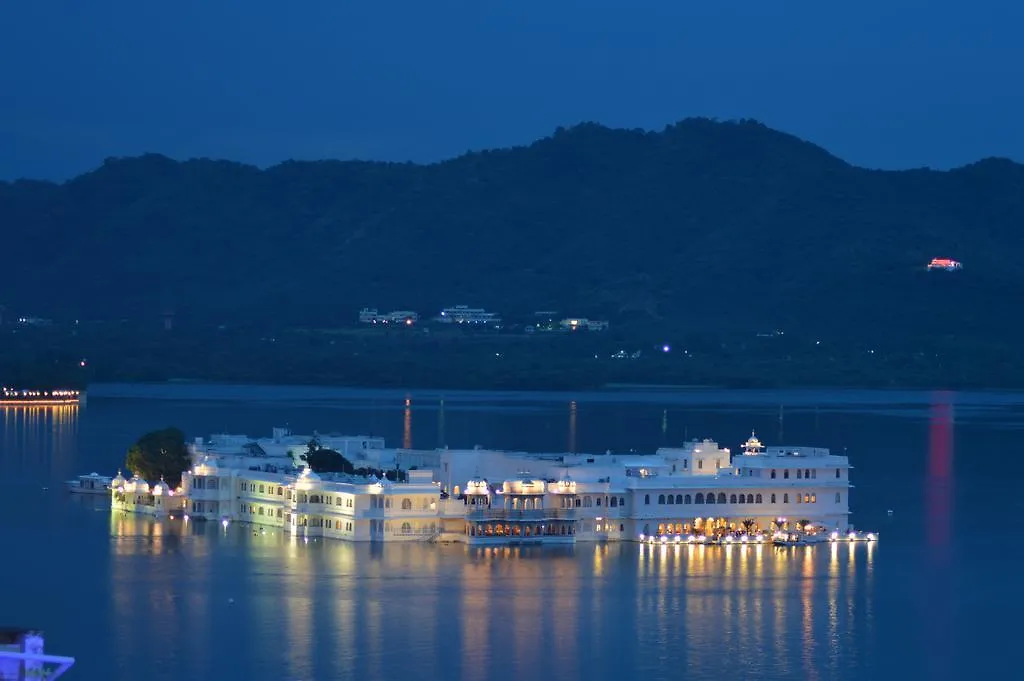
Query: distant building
{"type": "Point", "coordinates": [463, 314]}
{"type": "Point", "coordinates": [372, 316]}
{"type": "Point", "coordinates": [945, 264]}
{"type": "Point", "coordinates": [35, 321]}
{"type": "Point", "coordinates": [582, 324]}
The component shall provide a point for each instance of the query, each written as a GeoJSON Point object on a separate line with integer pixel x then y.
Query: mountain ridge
{"type": "Point", "coordinates": [699, 224]}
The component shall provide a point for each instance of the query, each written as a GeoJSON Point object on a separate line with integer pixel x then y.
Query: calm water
{"type": "Point", "coordinates": [939, 597]}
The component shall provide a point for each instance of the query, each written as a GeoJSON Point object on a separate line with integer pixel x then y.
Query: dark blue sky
{"type": "Point", "coordinates": [883, 83]}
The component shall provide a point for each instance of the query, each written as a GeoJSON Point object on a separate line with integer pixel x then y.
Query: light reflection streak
{"type": "Point", "coordinates": [572, 427]}
{"type": "Point", "coordinates": [39, 439]}
{"type": "Point", "coordinates": [407, 424]}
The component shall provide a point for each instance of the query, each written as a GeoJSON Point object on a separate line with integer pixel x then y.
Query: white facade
{"type": "Point", "coordinates": [700, 489]}
{"type": "Point", "coordinates": [582, 324]}
{"type": "Point", "coordinates": [463, 314]}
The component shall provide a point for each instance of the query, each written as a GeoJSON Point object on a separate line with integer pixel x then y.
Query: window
{"type": "Point", "coordinates": [615, 502]}
{"type": "Point", "coordinates": [837, 473]}
{"type": "Point", "coordinates": [799, 473]}
{"type": "Point", "coordinates": [670, 499]}
{"type": "Point", "coordinates": [785, 474]}
{"type": "Point", "coordinates": [758, 499]}
{"type": "Point", "coordinates": [814, 498]}
{"type": "Point", "coordinates": [661, 498]}
{"type": "Point", "coordinates": [710, 498]}
{"type": "Point", "coordinates": [700, 464]}
{"type": "Point", "coordinates": [406, 527]}
{"type": "Point", "coordinates": [837, 497]}
{"type": "Point", "coordinates": [261, 489]}
{"type": "Point", "coordinates": [773, 474]}
{"type": "Point", "coordinates": [679, 499]}
{"type": "Point", "coordinates": [686, 499]}
{"type": "Point", "coordinates": [622, 501]}
{"type": "Point", "coordinates": [785, 498]}
{"type": "Point", "coordinates": [406, 505]}
{"type": "Point", "coordinates": [807, 473]}
{"type": "Point", "coordinates": [721, 497]}
{"type": "Point", "coordinates": [732, 498]}
{"type": "Point", "coordinates": [773, 499]}
{"type": "Point", "coordinates": [700, 498]}
{"type": "Point", "coordinates": [647, 498]}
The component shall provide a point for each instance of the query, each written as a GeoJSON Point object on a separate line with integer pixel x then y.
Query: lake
{"type": "Point", "coordinates": [938, 596]}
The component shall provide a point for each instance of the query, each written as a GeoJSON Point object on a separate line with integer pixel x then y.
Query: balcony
{"type": "Point", "coordinates": [539, 514]}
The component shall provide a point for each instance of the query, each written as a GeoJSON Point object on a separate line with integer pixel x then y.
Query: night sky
{"type": "Point", "coordinates": [891, 84]}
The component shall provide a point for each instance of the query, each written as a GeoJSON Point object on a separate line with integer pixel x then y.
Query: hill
{"type": "Point", "coordinates": [720, 225]}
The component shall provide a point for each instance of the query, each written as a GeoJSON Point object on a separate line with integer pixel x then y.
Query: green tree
{"type": "Point", "coordinates": [159, 454]}
{"type": "Point", "coordinates": [323, 460]}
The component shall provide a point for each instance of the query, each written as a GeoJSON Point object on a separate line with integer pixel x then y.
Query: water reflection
{"type": "Point", "coordinates": [939, 483]}
{"type": "Point", "coordinates": [741, 605]}
{"type": "Point", "coordinates": [38, 440]}
{"type": "Point", "coordinates": [407, 424]}
{"type": "Point", "coordinates": [572, 427]}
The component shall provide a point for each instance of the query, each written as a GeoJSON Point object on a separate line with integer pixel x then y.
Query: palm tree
{"type": "Point", "coordinates": [802, 524]}
{"type": "Point", "coordinates": [748, 524]}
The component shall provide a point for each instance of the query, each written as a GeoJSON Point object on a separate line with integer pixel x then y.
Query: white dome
{"type": "Point", "coordinates": [118, 480]}
{"type": "Point", "coordinates": [161, 487]}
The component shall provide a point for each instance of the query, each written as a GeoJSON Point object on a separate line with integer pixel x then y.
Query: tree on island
{"type": "Point", "coordinates": [323, 460]}
{"type": "Point", "coordinates": [159, 454]}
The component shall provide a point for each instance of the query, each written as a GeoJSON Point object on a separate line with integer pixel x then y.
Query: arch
{"type": "Point", "coordinates": [587, 502]}
{"type": "Point", "coordinates": [732, 498]}
{"type": "Point", "coordinates": [670, 499]}
{"type": "Point", "coordinates": [647, 499]}
{"type": "Point", "coordinates": [721, 497]}
{"type": "Point", "coordinates": [406, 504]}
{"type": "Point", "coordinates": [615, 502]}
{"type": "Point", "coordinates": [700, 498]}
{"type": "Point", "coordinates": [773, 498]}
{"type": "Point", "coordinates": [661, 498]}
{"type": "Point", "coordinates": [710, 498]}
{"type": "Point", "coordinates": [679, 499]}
{"type": "Point", "coordinates": [686, 499]}
{"type": "Point", "coordinates": [406, 528]}
{"type": "Point", "coordinates": [757, 499]}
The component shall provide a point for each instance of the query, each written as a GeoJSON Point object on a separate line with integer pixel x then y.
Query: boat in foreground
{"type": "Point", "coordinates": [22, 656]}
{"type": "Point", "coordinates": [94, 483]}
{"type": "Point", "coordinates": [810, 538]}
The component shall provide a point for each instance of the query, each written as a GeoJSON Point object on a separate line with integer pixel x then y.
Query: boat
{"type": "Point", "coordinates": [22, 656]}
{"type": "Point", "coordinates": [799, 538]}
{"type": "Point", "coordinates": [94, 483]}
{"type": "Point", "coordinates": [21, 396]}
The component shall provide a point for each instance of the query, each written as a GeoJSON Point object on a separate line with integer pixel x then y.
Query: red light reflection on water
{"type": "Point", "coordinates": [939, 481]}
{"type": "Point", "coordinates": [938, 634]}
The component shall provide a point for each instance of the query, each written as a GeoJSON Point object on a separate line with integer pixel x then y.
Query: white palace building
{"type": "Point", "coordinates": [697, 492]}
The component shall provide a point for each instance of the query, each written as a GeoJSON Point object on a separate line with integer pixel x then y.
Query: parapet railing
{"type": "Point", "coordinates": [521, 514]}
